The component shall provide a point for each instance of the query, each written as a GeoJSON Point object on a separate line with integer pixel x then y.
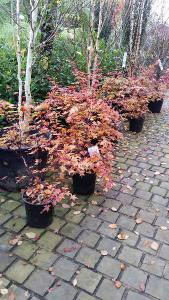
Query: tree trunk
{"type": "Point", "coordinates": [32, 39]}
{"type": "Point", "coordinates": [19, 60]}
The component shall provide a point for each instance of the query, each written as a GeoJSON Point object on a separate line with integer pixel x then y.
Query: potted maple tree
{"type": "Point", "coordinates": [40, 198]}
{"type": "Point", "coordinates": [84, 148]}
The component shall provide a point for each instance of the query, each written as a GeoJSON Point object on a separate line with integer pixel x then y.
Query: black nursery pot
{"type": "Point", "coordinates": [155, 106]}
{"type": "Point", "coordinates": [136, 125]}
{"type": "Point", "coordinates": [84, 185]}
{"type": "Point", "coordinates": [35, 217]}
{"type": "Point", "coordinates": [12, 166]}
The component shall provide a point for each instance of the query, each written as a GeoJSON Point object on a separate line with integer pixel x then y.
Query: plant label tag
{"type": "Point", "coordinates": [73, 110]}
{"type": "Point", "coordinates": [94, 150]}
{"type": "Point", "coordinates": [124, 60]}
{"type": "Point", "coordinates": [160, 65]}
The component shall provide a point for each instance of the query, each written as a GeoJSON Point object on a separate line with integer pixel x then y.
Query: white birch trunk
{"type": "Point", "coordinates": [90, 45]}
{"type": "Point", "coordinates": [140, 27]}
{"type": "Point", "coordinates": [19, 60]}
{"type": "Point", "coordinates": [132, 10]}
{"type": "Point", "coordinates": [97, 41]}
{"type": "Point", "coordinates": [32, 39]}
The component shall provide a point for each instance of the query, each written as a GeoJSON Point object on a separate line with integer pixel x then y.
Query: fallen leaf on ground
{"type": "Point", "coordinates": [27, 294]}
{"type": "Point", "coordinates": [77, 212]}
{"type": "Point", "coordinates": [139, 221]}
{"type": "Point", "coordinates": [31, 235]}
{"type": "Point", "coordinates": [104, 252]}
{"type": "Point", "coordinates": [3, 291]}
{"type": "Point", "coordinates": [154, 246]}
{"type": "Point", "coordinates": [118, 284]}
{"type": "Point", "coordinates": [123, 236]}
{"type": "Point", "coordinates": [114, 209]}
{"type": "Point", "coordinates": [94, 202]}
{"type": "Point", "coordinates": [113, 226]}
{"type": "Point", "coordinates": [64, 205]}
{"type": "Point", "coordinates": [74, 282]}
{"type": "Point", "coordinates": [142, 287]}
{"type": "Point", "coordinates": [12, 296]}
{"type": "Point", "coordinates": [163, 228]}
{"type": "Point", "coordinates": [122, 267]}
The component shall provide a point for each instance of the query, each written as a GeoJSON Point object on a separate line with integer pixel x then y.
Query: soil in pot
{"type": "Point", "coordinates": [12, 166]}
{"type": "Point", "coordinates": [84, 185]}
{"type": "Point", "coordinates": [155, 106]}
{"type": "Point", "coordinates": [36, 217]}
{"type": "Point", "coordinates": [136, 125]}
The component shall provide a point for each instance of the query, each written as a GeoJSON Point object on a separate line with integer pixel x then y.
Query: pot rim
{"type": "Point", "coordinates": [33, 204]}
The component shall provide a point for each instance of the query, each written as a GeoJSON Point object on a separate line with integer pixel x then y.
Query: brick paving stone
{"type": "Point", "coordinates": [64, 268]}
{"type": "Point", "coordinates": [153, 265]}
{"type": "Point", "coordinates": [109, 216]}
{"type": "Point", "coordinates": [134, 296]}
{"type": "Point", "coordinates": [57, 224]}
{"type": "Point", "coordinates": [164, 252]}
{"type": "Point", "coordinates": [5, 261]}
{"type": "Point", "coordinates": [68, 248]}
{"type": "Point", "coordinates": [139, 203]}
{"type": "Point", "coordinates": [124, 198]}
{"type": "Point", "coordinates": [88, 257]}
{"type": "Point", "coordinates": [143, 186]}
{"type": "Point", "coordinates": [19, 271]}
{"type": "Point", "coordinates": [166, 272]}
{"type": "Point", "coordinates": [107, 291]}
{"type": "Point", "coordinates": [20, 212]}
{"type": "Point", "coordinates": [162, 221]}
{"type": "Point", "coordinates": [62, 292]}
{"type": "Point", "coordinates": [18, 292]}
{"type": "Point", "coordinates": [143, 194]}
{"type": "Point", "coordinates": [88, 280]}
{"type": "Point", "coordinates": [49, 240]}
{"type": "Point", "coordinates": [89, 238]}
{"type": "Point", "coordinates": [159, 191]}
{"type": "Point", "coordinates": [71, 217]}
{"type": "Point", "coordinates": [106, 230]}
{"type": "Point", "coordinates": [4, 282]}
{"type": "Point", "coordinates": [109, 266]}
{"type": "Point", "coordinates": [4, 217]}
{"type": "Point", "coordinates": [159, 199]}
{"type": "Point", "coordinates": [132, 238]}
{"type": "Point", "coordinates": [158, 288]}
{"type": "Point", "coordinates": [84, 296]}
{"type": "Point", "coordinates": [133, 277]}
{"type": "Point", "coordinates": [164, 185]}
{"type": "Point", "coordinates": [93, 210]}
{"type": "Point", "coordinates": [91, 223]}
{"type": "Point", "coordinates": [109, 245]}
{"type": "Point", "coordinates": [128, 210]}
{"type": "Point", "coordinates": [147, 216]}
{"type": "Point", "coordinates": [97, 198]}
{"type": "Point", "coordinates": [130, 255]}
{"type": "Point", "coordinates": [146, 229]}
{"type": "Point", "coordinates": [126, 222]}
{"type": "Point", "coordinates": [39, 282]}
{"type": "Point", "coordinates": [43, 259]}
{"type": "Point", "coordinates": [10, 205]}
{"type": "Point", "coordinates": [109, 203]}
{"type": "Point", "coordinates": [163, 236]}
{"type": "Point", "coordinates": [15, 196]}
{"type": "Point", "coordinates": [60, 211]}
{"type": "Point", "coordinates": [4, 242]}
{"type": "Point", "coordinates": [15, 225]}
{"type": "Point", "coordinates": [71, 230]}
{"type": "Point", "coordinates": [145, 245]}
{"type": "Point", "coordinates": [25, 250]}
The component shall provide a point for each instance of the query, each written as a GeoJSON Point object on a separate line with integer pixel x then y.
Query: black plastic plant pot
{"type": "Point", "coordinates": [84, 185]}
{"type": "Point", "coordinates": [155, 106]}
{"type": "Point", "coordinates": [12, 167]}
{"type": "Point", "coordinates": [136, 125]}
{"type": "Point", "coordinates": [36, 217]}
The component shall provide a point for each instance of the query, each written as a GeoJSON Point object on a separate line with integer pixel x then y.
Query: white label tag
{"type": "Point", "coordinates": [160, 65]}
{"type": "Point", "coordinates": [73, 110]}
{"type": "Point", "coordinates": [124, 60]}
{"type": "Point", "coordinates": [94, 150]}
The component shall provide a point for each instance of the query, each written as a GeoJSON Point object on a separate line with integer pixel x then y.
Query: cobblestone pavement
{"type": "Point", "coordinates": [80, 256]}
